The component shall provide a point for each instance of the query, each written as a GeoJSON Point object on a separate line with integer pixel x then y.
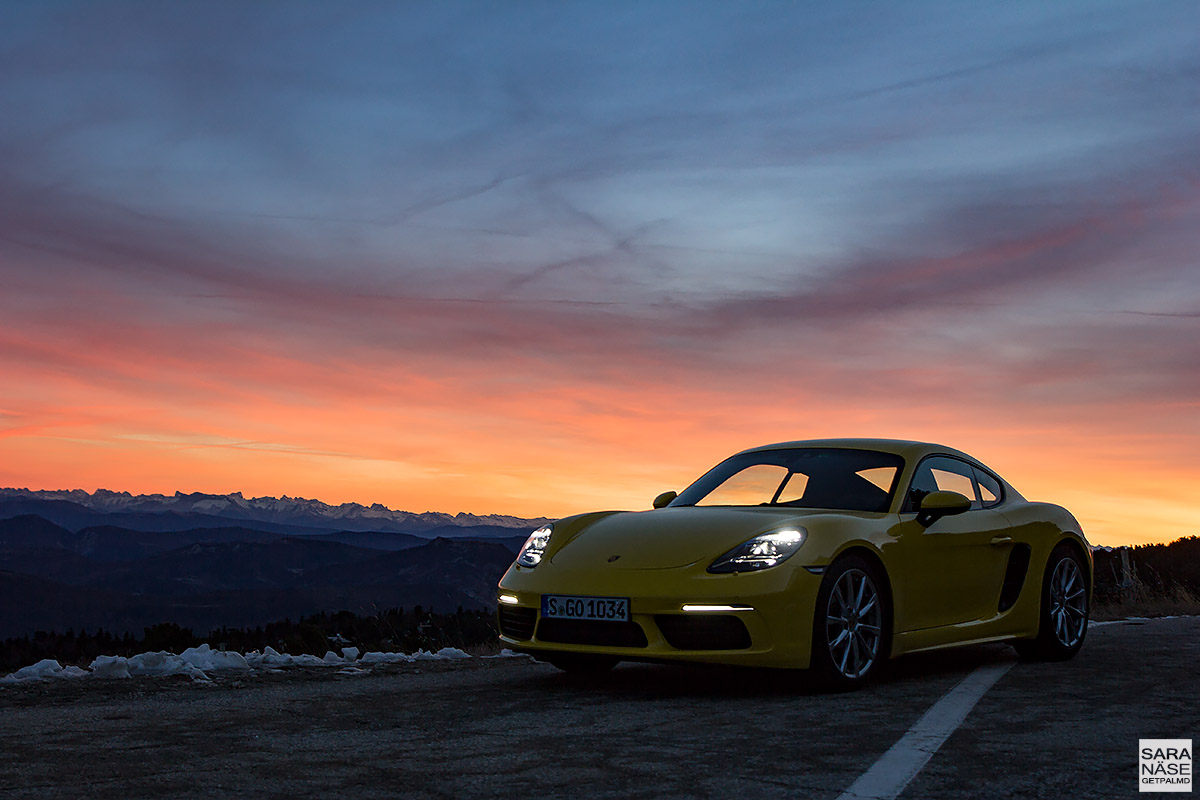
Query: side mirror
{"type": "Point", "coordinates": [664, 499]}
{"type": "Point", "coordinates": [936, 505]}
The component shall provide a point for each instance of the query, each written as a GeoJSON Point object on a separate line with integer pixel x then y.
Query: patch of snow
{"type": "Point", "coordinates": [197, 675]}
{"type": "Point", "coordinates": [204, 657]}
{"type": "Point", "coordinates": [451, 653]}
{"type": "Point", "coordinates": [46, 668]}
{"type": "Point", "coordinates": [506, 653]}
{"type": "Point", "coordinates": [42, 670]}
{"type": "Point", "coordinates": [197, 662]}
{"type": "Point", "coordinates": [110, 667]}
{"type": "Point", "coordinates": [158, 664]}
{"type": "Point", "coordinates": [270, 657]}
{"type": "Point", "coordinates": [385, 658]}
{"type": "Point", "coordinates": [307, 660]}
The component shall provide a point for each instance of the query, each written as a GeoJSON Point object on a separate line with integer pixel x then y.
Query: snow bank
{"type": "Point", "coordinates": [46, 668]}
{"type": "Point", "coordinates": [445, 654]}
{"type": "Point", "coordinates": [270, 658]}
{"type": "Point", "coordinates": [197, 662]}
{"type": "Point", "coordinates": [506, 653]}
{"type": "Point", "coordinates": [384, 658]}
{"type": "Point", "coordinates": [110, 667]}
{"type": "Point", "coordinates": [204, 657]}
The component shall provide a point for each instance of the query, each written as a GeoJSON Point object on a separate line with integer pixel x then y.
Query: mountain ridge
{"type": "Point", "coordinates": [294, 512]}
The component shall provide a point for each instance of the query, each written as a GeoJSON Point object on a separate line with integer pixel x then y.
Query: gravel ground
{"type": "Point", "coordinates": [512, 727]}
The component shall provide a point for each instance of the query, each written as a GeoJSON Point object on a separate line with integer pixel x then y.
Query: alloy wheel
{"type": "Point", "coordinates": [853, 623]}
{"type": "Point", "coordinates": [1068, 603]}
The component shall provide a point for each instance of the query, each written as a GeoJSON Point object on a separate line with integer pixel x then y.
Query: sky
{"type": "Point", "coordinates": [543, 258]}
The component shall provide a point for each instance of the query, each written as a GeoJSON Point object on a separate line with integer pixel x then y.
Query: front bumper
{"type": "Point", "coordinates": [772, 626]}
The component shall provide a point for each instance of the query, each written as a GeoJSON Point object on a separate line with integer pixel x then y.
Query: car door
{"type": "Point", "coordinates": [951, 572]}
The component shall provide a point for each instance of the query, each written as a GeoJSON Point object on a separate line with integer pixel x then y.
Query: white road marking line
{"type": "Point", "coordinates": [888, 776]}
{"type": "Point", "coordinates": [1094, 624]}
{"type": "Point", "coordinates": [1123, 620]}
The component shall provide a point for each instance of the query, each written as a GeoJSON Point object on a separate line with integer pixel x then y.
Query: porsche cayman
{"type": "Point", "coordinates": [833, 555]}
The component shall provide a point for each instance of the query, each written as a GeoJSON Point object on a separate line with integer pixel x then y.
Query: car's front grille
{"type": "Point", "coordinates": [516, 622]}
{"type": "Point", "coordinates": [703, 631]}
{"type": "Point", "coordinates": [589, 631]}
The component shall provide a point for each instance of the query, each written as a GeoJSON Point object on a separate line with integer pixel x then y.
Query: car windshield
{"type": "Point", "coordinates": [809, 477]}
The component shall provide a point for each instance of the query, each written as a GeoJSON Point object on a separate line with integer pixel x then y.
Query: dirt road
{"type": "Point", "coordinates": [510, 727]}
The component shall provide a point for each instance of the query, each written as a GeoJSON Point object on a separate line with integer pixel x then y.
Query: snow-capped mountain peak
{"type": "Point", "coordinates": [285, 510]}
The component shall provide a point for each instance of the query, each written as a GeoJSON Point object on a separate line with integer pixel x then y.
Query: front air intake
{"type": "Point", "coordinates": [516, 622]}
{"type": "Point", "coordinates": [703, 631]}
{"type": "Point", "coordinates": [589, 631]}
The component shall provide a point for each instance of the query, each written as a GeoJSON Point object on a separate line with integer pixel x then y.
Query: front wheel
{"type": "Point", "coordinates": [1063, 620]}
{"type": "Point", "coordinates": [850, 632]}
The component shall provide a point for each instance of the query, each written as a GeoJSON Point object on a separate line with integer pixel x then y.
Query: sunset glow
{"type": "Point", "coordinates": [538, 262]}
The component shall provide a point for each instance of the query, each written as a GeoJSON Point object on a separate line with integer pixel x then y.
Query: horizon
{"type": "Point", "coordinates": [539, 261]}
{"type": "Point", "coordinates": [455, 514]}
{"type": "Point", "coordinates": [244, 496]}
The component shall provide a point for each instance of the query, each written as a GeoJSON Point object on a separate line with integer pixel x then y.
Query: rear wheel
{"type": "Point", "coordinates": [850, 632]}
{"type": "Point", "coordinates": [1063, 621]}
{"type": "Point", "coordinates": [582, 663]}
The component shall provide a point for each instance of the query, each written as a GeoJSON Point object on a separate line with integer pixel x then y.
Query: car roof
{"type": "Point", "coordinates": [911, 452]}
{"type": "Point", "coordinates": [901, 447]}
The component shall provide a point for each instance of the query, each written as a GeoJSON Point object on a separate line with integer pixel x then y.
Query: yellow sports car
{"type": "Point", "coordinates": [830, 554]}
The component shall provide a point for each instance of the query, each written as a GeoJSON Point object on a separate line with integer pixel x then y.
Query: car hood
{"type": "Point", "coordinates": [669, 537]}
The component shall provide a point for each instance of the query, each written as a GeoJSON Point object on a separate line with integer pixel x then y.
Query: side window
{"type": "Point", "coordinates": [940, 474]}
{"type": "Point", "coordinates": [922, 484]}
{"type": "Point", "coordinates": [989, 488]}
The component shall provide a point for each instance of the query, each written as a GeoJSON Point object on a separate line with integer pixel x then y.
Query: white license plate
{"type": "Point", "coordinates": [567, 606]}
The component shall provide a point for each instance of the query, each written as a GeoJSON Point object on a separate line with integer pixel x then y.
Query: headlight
{"type": "Point", "coordinates": [535, 547]}
{"type": "Point", "coordinates": [761, 552]}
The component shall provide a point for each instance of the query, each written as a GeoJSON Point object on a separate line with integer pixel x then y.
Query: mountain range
{"type": "Point", "coordinates": [124, 562]}
{"type": "Point", "coordinates": [290, 514]}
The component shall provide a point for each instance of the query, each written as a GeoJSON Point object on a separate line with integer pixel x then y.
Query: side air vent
{"type": "Point", "coordinates": [1014, 576]}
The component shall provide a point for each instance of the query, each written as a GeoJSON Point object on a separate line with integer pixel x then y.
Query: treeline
{"type": "Point", "coordinates": [394, 630]}
{"type": "Point", "coordinates": [1157, 569]}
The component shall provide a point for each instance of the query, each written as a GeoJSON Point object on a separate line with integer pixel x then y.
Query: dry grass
{"type": "Point", "coordinates": [491, 647]}
{"type": "Point", "coordinates": [1143, 601]}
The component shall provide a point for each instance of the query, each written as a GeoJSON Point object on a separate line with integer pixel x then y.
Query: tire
{"type": "Point", "coordinates": [582, 663]}
{"type": "Point", "coordinates": [1063, 618]}
{"type": "Point", "coordinates": [851, 624]}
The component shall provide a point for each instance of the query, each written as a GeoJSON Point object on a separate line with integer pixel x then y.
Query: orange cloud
{"type": "Point", "coordinates": [519, 443]}
{"type": "Point", "coordinates": [141, 353]}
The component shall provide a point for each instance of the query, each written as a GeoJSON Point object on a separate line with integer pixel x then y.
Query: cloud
{"type": "Point", "coordinates": [534, 230]}
{"type": "Point", "coordinates": [202, 286]}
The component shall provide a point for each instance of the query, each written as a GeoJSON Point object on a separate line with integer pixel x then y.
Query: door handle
{"type": "Point", "coordinates": [998, 540]}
